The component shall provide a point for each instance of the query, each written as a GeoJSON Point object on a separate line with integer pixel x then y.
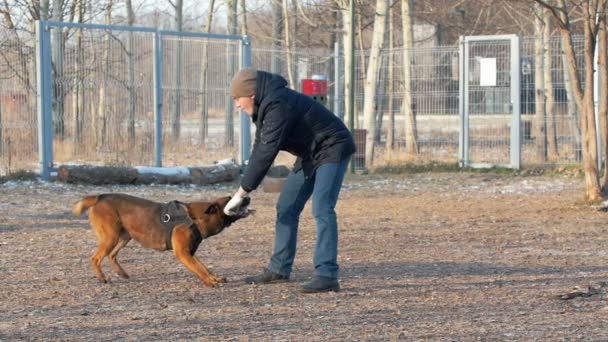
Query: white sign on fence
{"type": "Point", "coordinates": [487, 72]}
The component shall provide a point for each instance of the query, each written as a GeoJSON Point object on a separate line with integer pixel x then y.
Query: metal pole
{"type": "Point", "coordinates": [245, 122]}
{"type": "Point", "coordinates": [515, 104]}
{"type": "Point", "coordinates": [463, 153]}
{"type": "Point", "coordinates": [45, 120]}
{"type": "Point", "coordinates": [337, 80]}
{"type": "Point", "coordinates": [158, 99]}
{"type": "Point", "coordinates": [351, 76]}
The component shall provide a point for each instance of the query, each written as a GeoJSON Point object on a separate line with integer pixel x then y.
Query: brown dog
{"type": "Point", "coordinates": [117, 218]}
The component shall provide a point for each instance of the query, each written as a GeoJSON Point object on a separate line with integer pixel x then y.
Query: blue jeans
{"type": "Point", "coordinates": [324, 186]}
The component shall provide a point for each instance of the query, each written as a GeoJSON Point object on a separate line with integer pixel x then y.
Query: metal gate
{"type": "Point", "coordinates": [490, 101]}
{"type": "Point", "coordinates": [124, 95]}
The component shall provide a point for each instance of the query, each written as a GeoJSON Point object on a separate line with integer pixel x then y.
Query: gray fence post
{"type": "Point", "coordinates": [337, 81]}
{"type": "Point", "coordinates": [245, 121]}
{"type": "Point", "coordinates": [515, 104]}
{"type": "Point", "coordinates": [45, 119]}
{"type": "Point", "coordinates": [158, 99]}
{"type": "Point", "coordinates": [463, 149]}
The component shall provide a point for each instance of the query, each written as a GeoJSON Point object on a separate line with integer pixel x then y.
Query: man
{"type": "Point", "coordinates": [290, 121]}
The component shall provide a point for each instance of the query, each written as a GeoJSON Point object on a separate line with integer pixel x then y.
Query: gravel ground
{"type": "Point", "coordinates": [433, 256]}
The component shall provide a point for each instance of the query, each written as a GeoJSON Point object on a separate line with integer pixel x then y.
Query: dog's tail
{"type": "Point", "coordinates": [84, 204]}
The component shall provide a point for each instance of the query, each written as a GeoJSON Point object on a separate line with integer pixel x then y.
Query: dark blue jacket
{"type": "Point", "coordinates": [293, 122]}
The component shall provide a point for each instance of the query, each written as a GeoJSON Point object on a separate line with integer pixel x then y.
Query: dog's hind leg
{"type": "Point", "coordinates": [123, 240]}
{"type": "Point", "coordinates": [107, 238]}
{"type": "Point", "coordinates": [104, 248]}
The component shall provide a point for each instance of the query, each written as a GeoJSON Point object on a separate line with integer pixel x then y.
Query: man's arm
{"type": "Point", "coordinates": [273, 133]}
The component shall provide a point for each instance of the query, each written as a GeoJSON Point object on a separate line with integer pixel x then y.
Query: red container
{"type": "Point", "coordinates": [314, 87]}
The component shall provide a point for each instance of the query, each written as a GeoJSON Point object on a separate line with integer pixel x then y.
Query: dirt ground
{"type": "Point", "coordinates": [431, 256]}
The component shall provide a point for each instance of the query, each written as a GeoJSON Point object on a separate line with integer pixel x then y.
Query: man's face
{"type": "Point", "coordinates": [245, 104]}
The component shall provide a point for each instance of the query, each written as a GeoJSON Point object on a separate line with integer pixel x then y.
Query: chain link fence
{"type": "Point", "coordinates": [103, 100]}
{"type": "Point", "coordinates": [18, 120]}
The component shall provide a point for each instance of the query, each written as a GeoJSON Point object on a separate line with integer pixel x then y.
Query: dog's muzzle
{"type": "Point", "coordinates": [242, 212]}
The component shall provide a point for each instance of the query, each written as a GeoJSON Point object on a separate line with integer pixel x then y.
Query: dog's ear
{"type": "Point", "coordinates": [214, 208]}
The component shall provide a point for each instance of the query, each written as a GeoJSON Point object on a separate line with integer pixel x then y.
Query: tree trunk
{"type": "Point", "coordinates": [102, 117]}
{"type": "Point", "coordinates": [584, 99]}
{"type": "Point", "coordinates": [204, 119]}
{"type": "Point", "coordinates": [78, 91]}
{"type": "Point", "coordinates": [231, 55]}
{"type": "Point", "coordinates": [348, 40]}
{"type": "Point", "coordinates": [407, 108]}
{"type": "Point", "coordinates": [369, 100]}
{"type": "Point", "coordinates": [552, 150]}
{"type": "Point", "coordinates": [603, 96]}
{"type": "Point", "coordinates": [177, 75]}
{"type": "Point", "coordinates": [288, 46]}
{"type": "Point", "coordinates": [330, 67]}
{"type": "Point", "coordinates": [218, 173]}
{"type": "Point", "coordinates": [244, 28]}
{"type": "Point", "coordinates": [360, 39]}
{"type": "Point", "coordinates": [573, 115]}
{"type": "Point", "coordinates": [390, 135]}
{"type": "Point", "coordinates": [57, 43]}
{"type": "Point", "coordinates": [277, 36]}
{"type": "Point", "coordinates": [540, 122]}
{"type": "Point", "coordinates": [96, 174]}
{"type": "Point", "coordinates": [44, 10]}
{"type": "Point", "coordinates": [131, 76]}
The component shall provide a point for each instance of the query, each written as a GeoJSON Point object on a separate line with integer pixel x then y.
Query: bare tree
{"type": "Point", "coordinates": [101, 119]}
{"type": "Point", "coordinates": [390, 136]}
{"type": "Point", "coordinates": [347, 10]}
{"type": "Point", "coordinates": [131, 75]}
{"type": "Point", "coordinates": [288, 46]}
{"type": "Point", "coordinates": [78, 91]}
{"type": "Point", "coordinates": [408, 109]}
{"type": "Point", "coordinates": [540, 115]}
{"type": "Point", "coordinates": [603, 95]}
{"type": "Point", "coordinates": [44, 10]}
{"type": "Point", "coordinates": [369, 101]}
{"type": "Point", "coordinates": [177, 72]}
{"type": "Point", "coordinates": [548, 78]}
{"type": "Point", "coordinates": [57, 43]}
{"type": "Point", "coordinates": [204, 120]}
{"type": "Point", "coordinates": [244, 28]}
{"type": "Point", "coordinates": [591, 14]}
{"type": "Point", "coordinates": [231, 55]}
{"type": "Point", "coordinates": [277, 35]}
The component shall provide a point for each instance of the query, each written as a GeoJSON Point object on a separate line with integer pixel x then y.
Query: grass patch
{"type": "Point", "coordinates": [412, 168]}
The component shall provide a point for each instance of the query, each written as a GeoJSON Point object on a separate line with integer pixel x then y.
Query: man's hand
{"type": "Point", "coordinates": [232, 207]}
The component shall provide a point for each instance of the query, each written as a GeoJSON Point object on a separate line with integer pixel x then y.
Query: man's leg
{"type": "Point", "coordinates": [328, 182]}
{"type": "Point", "coordinates": [296, 191]}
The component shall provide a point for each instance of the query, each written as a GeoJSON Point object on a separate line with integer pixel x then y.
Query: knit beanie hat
{"type": "Point", "coordinates": [243, 83]}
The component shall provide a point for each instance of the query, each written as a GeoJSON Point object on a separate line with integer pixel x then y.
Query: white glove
{"type": "Point", "coordinates": [233, 206]}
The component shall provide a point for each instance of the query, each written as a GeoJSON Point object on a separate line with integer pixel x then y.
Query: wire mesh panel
{"type": "Point", "coordinates": [200, 122]}
{"type": "Point", "coordinates": [488, 112]}
{"type": "Point", "coordinates": [434, 103]}
{"type": "Point", "coordinates": [553, 133]}
{"type": "Point", "coordinates": [102, 96]}
{"type": "Point", "coordinates": [430, 107]}
{"type": "Point", "coordinates": [18, 121]}
{"type": "Point", "coordinates": [139, 96]}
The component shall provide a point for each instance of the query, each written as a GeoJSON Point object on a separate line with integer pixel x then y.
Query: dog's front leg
{"type": "Point", "coordinates": [180, 239]}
